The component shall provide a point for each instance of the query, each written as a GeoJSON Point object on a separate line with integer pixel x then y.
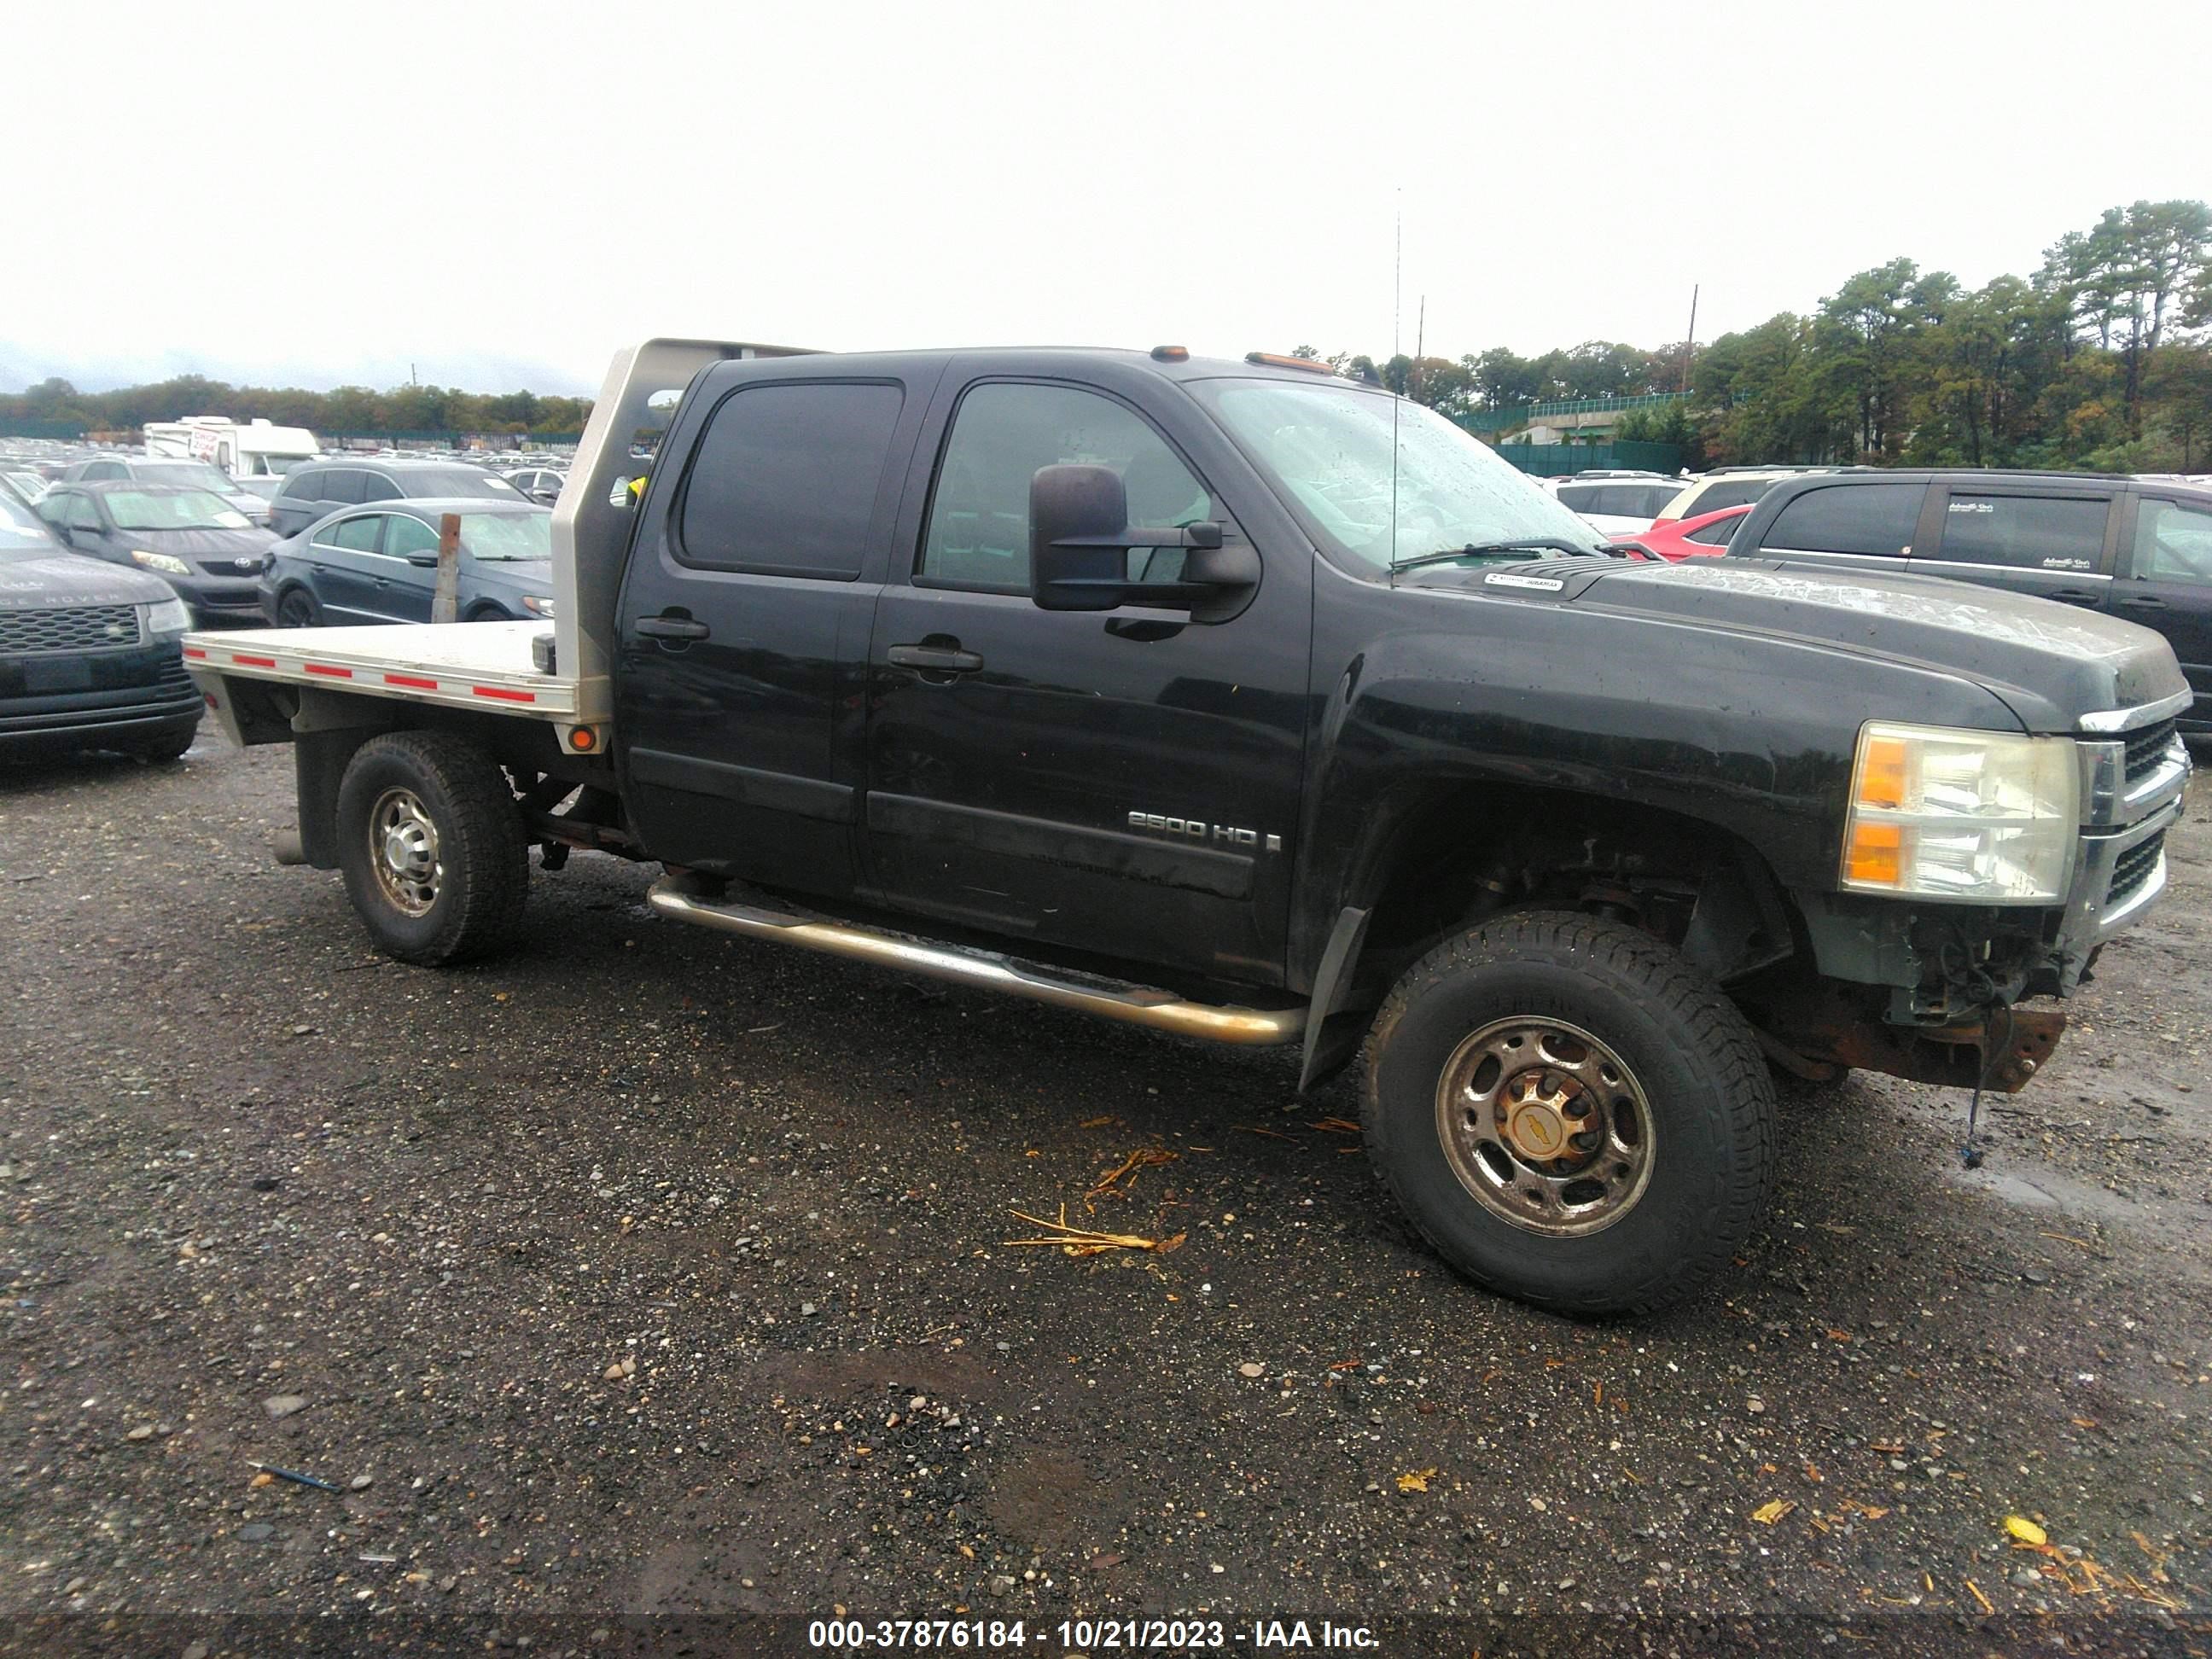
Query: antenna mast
{"type": "Point", "coordinates": [1397, 306]}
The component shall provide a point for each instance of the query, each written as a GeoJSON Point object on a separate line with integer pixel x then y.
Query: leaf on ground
{"type": "Point", "coordinates": [1767, 1514]}
{"type": "Point", "coordinates": [1099, 1122]}
{"type": "Point", "coordinates": [1417, 1481]}
{"type": "Point", "coordinates": [2026, 1530]}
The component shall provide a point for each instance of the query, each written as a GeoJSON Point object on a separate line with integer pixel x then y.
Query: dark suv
{"type": "Point", "coordinates": [313, 491]}
{"type": "Point", "coordinates": [2137, 549]}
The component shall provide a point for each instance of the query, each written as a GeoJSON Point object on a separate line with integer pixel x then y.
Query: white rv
{"type": "Point", "coordinates": [254, 450]}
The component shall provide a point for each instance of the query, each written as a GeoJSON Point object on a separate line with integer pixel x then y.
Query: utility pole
{"type": "Point", "coordinates": [1690, 343]}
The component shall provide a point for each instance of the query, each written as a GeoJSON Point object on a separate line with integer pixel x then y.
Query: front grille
{"type": "Point", "coordinates": [82, 628]}
{"type": "Point", "coordinates": [2146, 749]}
{"type": "Point", "coordinates": [231, 567]}
{"type": "Point", "coordinates": [2133, 868]}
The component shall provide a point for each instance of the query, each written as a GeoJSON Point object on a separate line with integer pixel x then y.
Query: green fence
{"type": "Point", "coordinates": [1498, 419]}
{"type": "Point", "coordinates": [1554, 461]}
{"type": "Point", "coordinates": [63, 430]}
{"type": "Point", "coordinates": [539, 440]}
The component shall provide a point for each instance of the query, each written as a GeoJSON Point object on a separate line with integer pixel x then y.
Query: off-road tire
{"type": "Point", "coordinates": [1711, 1099]}
{"type": "Point", "coordinates": [483, 858]}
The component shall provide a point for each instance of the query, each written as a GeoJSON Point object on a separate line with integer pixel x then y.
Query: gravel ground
{"type": "Point", "coordinates": [645, 1271]}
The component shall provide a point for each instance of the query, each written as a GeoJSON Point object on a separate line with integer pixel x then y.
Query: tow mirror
{"type": "Point", "coordinates": [1079, 541]}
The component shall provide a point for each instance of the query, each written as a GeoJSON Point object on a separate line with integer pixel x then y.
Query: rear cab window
{"type": "Point", "coordinates": [2024, 532]}
{"type": "Point", "coordinates": [1875, 520]}
{"type": "Point", "coordinates": [785, 480]}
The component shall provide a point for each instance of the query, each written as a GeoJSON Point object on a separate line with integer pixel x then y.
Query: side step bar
{"type": "Point", "coordinates": [989, 971]}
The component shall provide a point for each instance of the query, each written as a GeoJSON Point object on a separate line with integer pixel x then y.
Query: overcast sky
{"type": "Point", "coordinates": [501, 195]}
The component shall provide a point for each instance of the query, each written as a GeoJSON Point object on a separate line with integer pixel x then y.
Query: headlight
{"type": "Point", "coordinates": [1979, 818]}
{"type": "Point", "coordinates": [536, 606]}
{"type": "Point", "coordinates": [166, 616]}
{"type": "Point", "coordinates": [167, 564]}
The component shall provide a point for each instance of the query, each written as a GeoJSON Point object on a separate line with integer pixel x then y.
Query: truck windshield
{"type": "Point", "coordinates": [1326, 448]}
{"type": "Point", "coordinates": [507, 536]}
{"type": "Point", "coordinates": [173, 509]}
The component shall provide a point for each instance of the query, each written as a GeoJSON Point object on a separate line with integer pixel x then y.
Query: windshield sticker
{"type": "Point", "coordinates": [1508, 579]}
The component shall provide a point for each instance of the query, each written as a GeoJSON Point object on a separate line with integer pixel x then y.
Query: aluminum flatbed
{"type": "Point", "coordinates": [486, 666]}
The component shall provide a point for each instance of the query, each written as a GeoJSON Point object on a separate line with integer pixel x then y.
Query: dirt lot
{"type": "Point", "coordinates": [646, 1271]}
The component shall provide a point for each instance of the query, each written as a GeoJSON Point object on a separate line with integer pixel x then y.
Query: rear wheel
{"type": "Point", "coordinates": [298, 608]}
{"type": "Point", "coordinates": [1569, 1112]}
{"type": "Point", "coordinates": [432, 848]}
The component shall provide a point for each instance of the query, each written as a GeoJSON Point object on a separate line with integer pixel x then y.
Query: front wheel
{"type": "Point", "coordinates": [1569, 1112]}
{"type": "Point", "coordinates": [432, 848]}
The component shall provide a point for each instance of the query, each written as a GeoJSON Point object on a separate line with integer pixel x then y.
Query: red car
{"type": "Point", "coordinates": [1706, 536]}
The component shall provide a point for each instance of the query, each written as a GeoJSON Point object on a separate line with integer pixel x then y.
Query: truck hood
{"type": "Point", "coordinates": [58, 580]}
{"type": "Point", "coordinates": [2049, 662]}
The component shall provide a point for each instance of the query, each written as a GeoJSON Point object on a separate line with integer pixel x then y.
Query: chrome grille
{"type": "Point", "coordinates": [2133, 868]}
{"type": "Point", "coordinates": [2146, 749]}
{"type": "Point", "coordinates": [80, 628]}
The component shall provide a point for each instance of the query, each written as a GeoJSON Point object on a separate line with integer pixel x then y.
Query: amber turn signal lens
{"type": "Point", "coordinates": [1881, 773]}
{"type": "Point", "coordinates": [1876, 855]}
{"type": "Point", "coordinates": [583, 740]}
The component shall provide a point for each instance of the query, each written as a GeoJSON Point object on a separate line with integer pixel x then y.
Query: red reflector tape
{"type": "Point", "coordinates": [324, 668]}
{"type": "Point", "coordinates": [504, 694]}
{"type": "Point", "coordinates": [252, 662]}
{"type": "Point", "coordinates": [194, 651]}
{"type": "Point", "coordinates": [414, 682]}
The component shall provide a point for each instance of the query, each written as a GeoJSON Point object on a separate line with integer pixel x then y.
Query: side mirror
{"type": "Point", "coordinates": [1079, 541]}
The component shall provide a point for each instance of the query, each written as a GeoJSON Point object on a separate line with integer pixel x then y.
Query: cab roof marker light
{"type": "Point", "coordinates": [1172, 354]}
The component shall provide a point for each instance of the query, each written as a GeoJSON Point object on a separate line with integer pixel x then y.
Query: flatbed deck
{"type": "Point", "coordinates": [486, 666]}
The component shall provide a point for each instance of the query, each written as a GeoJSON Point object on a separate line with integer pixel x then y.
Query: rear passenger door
{"type": "Point", "coordinates": [2166, 583]}
{"type": "Point", "coordinates": [2054, 545]}
{"type": "Point", "coordinates": [348, 570]}
{"type": "Point", "coordinates": [1850, 524]}
{"type": "Point", "coordinates": [743, 622]}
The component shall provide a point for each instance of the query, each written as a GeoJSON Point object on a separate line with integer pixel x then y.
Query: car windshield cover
{"type": "Point", "coordinates": [193, 474]}
{"type": "Point", "coordinates": [502, 537]}
{"type": "Point", "coordinates": [21, 531]}
{"type": "Point", "coordinates": [1327, 447]}
{"type": "Point", "coordinates": [459, 481]}
{"type": "Point", "coordinates": [179, 510]}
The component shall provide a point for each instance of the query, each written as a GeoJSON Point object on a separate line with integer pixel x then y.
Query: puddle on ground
{"type": "Point", "coordinates": [2046, 1189]}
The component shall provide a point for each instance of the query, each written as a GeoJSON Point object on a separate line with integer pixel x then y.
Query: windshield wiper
{"type": "Point", "coordinates": [1476, 549]}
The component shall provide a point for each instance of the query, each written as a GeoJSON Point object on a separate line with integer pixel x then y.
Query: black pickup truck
{"type": "Point", "coordinates": [1239, 701]}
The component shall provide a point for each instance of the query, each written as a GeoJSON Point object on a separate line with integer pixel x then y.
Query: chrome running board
{"type": "Point", "coordinates": [988, 970]}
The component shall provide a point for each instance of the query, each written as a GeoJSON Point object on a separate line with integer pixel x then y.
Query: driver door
{"type": "Point", "coordinates": [1123, 782]}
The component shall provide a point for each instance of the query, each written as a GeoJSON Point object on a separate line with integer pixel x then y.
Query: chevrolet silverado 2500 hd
{"type": "Point", "coordinates": [1239, 701]}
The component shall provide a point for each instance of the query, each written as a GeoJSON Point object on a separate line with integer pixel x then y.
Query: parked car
{"type": "Point", "coordinates": [2136, 548]}
{"type": "Point", "coordinates": [1730, 486]}
{"type": "Point", "coordinates": [29, 485]}
{"type": "Point", "coordinates": [380, 565]}
{"type": "Point", "coordinates": [205, 548]}
{"type": "Point", "coordinates": [1703, 537]}
{"type": "Point", "coordinates": [193, 474]}
{"type": "Point", "coordinates": [541, 483]}
{"type": "Point", "coordinates": [313, 491]}
{"type": "Point", "coordinates": [1618, 503]}
{"type": "Point", "coordinates": [89, 655]}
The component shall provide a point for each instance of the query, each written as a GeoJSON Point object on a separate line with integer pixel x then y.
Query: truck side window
{"type": "Point", "coordinates": [2028, 532]}
{"type": "Point", "coordinates": [2173, 542]}
{"type": "Point", "coordinates": [979, 514]}
{"type": "Point", "coordinates": [1871, 518]}
{"type": "Point", "coordinates": [785, 478]}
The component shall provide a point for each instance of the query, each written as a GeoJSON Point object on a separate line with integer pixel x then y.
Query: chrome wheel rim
{"type": "Point", "coordinates": [1546, 1127]}
{"type": "Point", "coordinates": [403, 849]}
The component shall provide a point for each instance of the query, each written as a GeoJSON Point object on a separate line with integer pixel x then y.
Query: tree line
{"type": "Point", "coordinates": [430, 408]}
{"type": "Point", "coordinates": [2099, 360]}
